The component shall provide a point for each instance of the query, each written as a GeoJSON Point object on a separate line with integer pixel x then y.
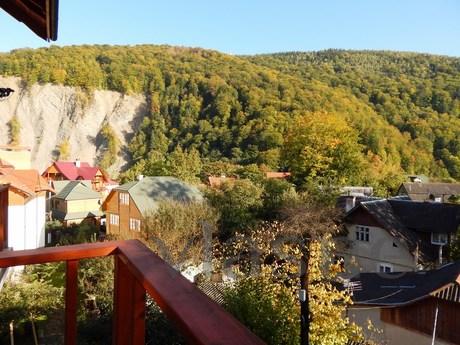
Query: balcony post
{"type": "Point", "coordinates": [71, 303]}
{"type": "Point", "coordinates": [128, 307]}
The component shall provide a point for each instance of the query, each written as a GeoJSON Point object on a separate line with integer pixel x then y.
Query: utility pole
{"type": "Point", "coordinates": [303, 294]}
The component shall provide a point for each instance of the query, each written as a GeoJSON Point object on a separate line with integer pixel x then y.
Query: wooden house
{"type": "Point", "coordinates": [127, 205]}
{"type": "Point", "coordinates": [74, 171]}
{"type": "Point", "coordinates": [420, 308]}
{"type": "Point", "coordinates": [76, 202]}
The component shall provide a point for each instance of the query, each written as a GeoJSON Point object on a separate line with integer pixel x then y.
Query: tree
{"type": "Point", "coordinates": [64, 150]}
{"type": "Point", "coordinates": [264, 296]}
{"type": "Point", "coordinates": [239, 204]}
{"type": "Point", "coordinates": [112, 143]}
{"type": "Point", "coordinates": [178, 231]}
{"type": "Point", "coordinates": [322, 147]}
{"type": "Point", "coordinates": [15, 130]}
{"type": "Point", "coordinates": [185, 165]}
{"type": "Point", "coordinates": [27, 301]}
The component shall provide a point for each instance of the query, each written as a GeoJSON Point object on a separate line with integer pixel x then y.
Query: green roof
{"type": "Point", "coordinates": [151, 190]}
{"type": "Point", "coordinates": [59, 185]}
{"type": "Point", "coordinates": [76, 190]}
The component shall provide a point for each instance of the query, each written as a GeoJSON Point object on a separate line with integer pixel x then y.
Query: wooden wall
{"type": "Point", "coordinates": [420, 317]}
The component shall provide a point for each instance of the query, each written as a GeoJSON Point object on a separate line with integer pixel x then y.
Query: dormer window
{"type": "Point", "coordinates": [438, 238]}
{"type": "Point", "coordinates": [362, 233]}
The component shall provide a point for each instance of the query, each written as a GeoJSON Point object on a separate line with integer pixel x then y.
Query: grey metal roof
{"type": "Point", "coordinates": [77, 190]}
{"type": "Point", "coordinates": [419, 191]}
{"type": "Point", "coordinates": [149, 191]}
{"type": "Point", "coordinates": [400, 288]}
{"type": "Point", "coordinates": [59, 185]}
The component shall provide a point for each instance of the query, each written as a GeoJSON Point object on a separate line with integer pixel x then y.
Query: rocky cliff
{"type": "Point", "coordinates": [51, 114]}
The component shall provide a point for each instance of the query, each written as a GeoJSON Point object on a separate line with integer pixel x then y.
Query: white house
{"type": "Point", "coordinates": [393, 235]}
{"type": "Point", "coordinates": [26, 208]}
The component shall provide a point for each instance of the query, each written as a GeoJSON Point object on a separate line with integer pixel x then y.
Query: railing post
{"type": "Point", "coordinates": [128, 307]}
{"type": "Point", "coordinates": [71, 303]}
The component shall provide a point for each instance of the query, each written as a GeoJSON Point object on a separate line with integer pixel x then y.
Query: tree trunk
{"type": "Point", "coordinates": [12, 332]}
{"type": "Point", "coordinates": [304, 303]}
{"type": "Point", "coordinates": [34, 331]}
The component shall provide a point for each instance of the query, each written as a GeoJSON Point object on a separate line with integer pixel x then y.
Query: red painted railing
{"type": "Point", "coordinates": [138, 270]}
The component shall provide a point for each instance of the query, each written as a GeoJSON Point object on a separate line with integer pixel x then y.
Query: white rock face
{"type": "Point", "coordinates": [50, 114]}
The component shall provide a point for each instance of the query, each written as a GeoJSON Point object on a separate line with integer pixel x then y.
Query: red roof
{"type": "Point", "coordinates": [72, 172]}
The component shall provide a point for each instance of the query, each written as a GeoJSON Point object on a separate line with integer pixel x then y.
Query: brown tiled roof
{"type": "Point", "coordinates": [29, 181]}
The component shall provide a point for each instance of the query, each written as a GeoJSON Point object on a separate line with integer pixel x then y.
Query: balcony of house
{"type": "Point", "coordinates": [138, 272]}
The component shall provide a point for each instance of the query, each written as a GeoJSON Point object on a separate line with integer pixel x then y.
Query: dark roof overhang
{"type": "Point", "coordinates": [41, 16]}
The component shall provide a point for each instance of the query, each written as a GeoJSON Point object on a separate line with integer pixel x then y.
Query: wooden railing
{"type": "Point", "coordinates": [138, 270]}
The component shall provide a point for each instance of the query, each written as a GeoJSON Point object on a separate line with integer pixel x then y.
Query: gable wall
{"type": "Point", "coordinates": [112, 205]}
{"type": "Point", "coordinates": [83, 205]}
{"type": "Point", "coordinates": [26, 224]}
{"type": "Point", "coordinates": [362, 256]}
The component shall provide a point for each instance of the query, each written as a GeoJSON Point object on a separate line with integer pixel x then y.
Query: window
{"type": "Point", "coordinates": [114, 219]}
{"type": "Point", "coordinates": [438, 238]}
{"type": "Point", "coordinates": [362, 233]}
{"type": "Point", "coordinates": [124, 198]}
{"type": "Point", "coordinates": [385, 268]}
{"type": "Point", "coordinates": [134, 224]}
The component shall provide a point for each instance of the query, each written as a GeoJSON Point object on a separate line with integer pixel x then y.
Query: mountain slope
{"type": "Point", "coordinates": [240, 108]}
{"type": "Point", "coordinates": [417, 93]}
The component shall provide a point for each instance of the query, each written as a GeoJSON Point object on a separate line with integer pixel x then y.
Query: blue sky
{"type": "Point", "coordinates": [254, 26]}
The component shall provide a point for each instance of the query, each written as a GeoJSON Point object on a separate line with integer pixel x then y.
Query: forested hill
{"type": "Point", "coordinates": [417, 93]}
{"type": "Point", "coordinates": [400, 111]}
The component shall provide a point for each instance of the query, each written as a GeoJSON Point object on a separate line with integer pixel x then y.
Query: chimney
{"type": "Point", "coordinates": [140, 177]}
{"type": "Point", "coordinates": [77, 162]}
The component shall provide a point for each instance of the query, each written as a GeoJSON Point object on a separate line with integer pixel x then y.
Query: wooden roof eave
{"type": "Point", "coordinates": [41, 16]}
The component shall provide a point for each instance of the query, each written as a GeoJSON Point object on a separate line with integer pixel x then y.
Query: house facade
{"type": "Point", "coordinates": [409, 308]}
{"type": "Point", "coordinates": [388, 235]}
{"type": "Point", "coordinates": [72, 171]}
{"type": "Point", "coordinates": [26, 208]}
{"type": "Point", "coordinates": [127, 205]}
{"type": "Point", "coordinates": [76, 202]}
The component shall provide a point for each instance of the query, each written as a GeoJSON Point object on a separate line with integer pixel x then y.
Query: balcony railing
{"type": "Point", "coordinates": [138, 270]}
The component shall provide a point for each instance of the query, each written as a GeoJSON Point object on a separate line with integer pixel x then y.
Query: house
{"type": "Point", "coordinates": [439, 192]}
{"type": "Point", "coordinates": [387, 235]}
{"type": "Point", "coordinates": [76, 202]}
{"type": "Point", "coordinates": [26, 208]}
{"type": "Point", "coordinates": [127, 205]}
{"type": "Point", "coordinates": [77, 170]}
{"type": "Point", "coordinates": [406, 307]}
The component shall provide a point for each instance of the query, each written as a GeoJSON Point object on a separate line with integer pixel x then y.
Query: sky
{"type": "Point", "coordinates": [253, 26]}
